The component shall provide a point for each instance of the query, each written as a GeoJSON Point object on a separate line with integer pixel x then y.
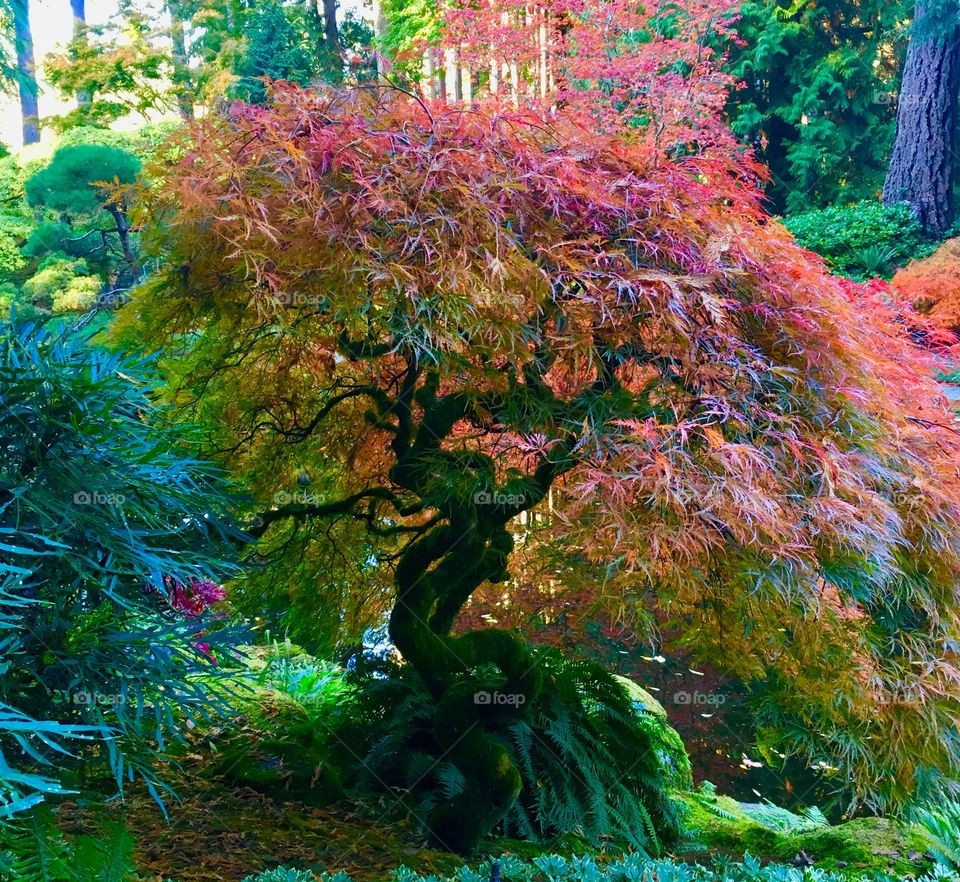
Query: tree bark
{"type": "Point", "coordinates": [79, 12]}
{"type": "Point", "coordinates": [330, 30]}
{"type": "Point", "coordinates": [381, 25]}
{"type": "Point", "coordinates": [23, 37]}
{"type": "Point", "coordinates": [921, 167]}
{"type": "Point", "coordinates": [435, 577]}
{"type": "Point", "coordinates": [181, 62]}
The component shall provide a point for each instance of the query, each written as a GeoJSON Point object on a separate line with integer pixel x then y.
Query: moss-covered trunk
{"type": "Point", "coordinates": [475, 678]}
{"type": "Point", "coordinates": [435, 576]}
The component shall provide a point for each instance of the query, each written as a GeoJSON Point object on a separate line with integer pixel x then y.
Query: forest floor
{"type": "Point", "coordinates": [218, 833]}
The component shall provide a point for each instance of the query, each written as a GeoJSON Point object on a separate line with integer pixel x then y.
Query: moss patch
{"type": "Point", "coordinates": [864, 843]}
{"type": "Point", "coordinates": [719, 823]}
{"type": "Point", "coordinates": [665, 739]}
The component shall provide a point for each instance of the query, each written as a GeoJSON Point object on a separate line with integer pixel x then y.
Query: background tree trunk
{"type": "Point", "coordinates": [380, 26]}
{"type": "Point", "coordinates": [921, 167]}
{"type": "Point", "coordinates": [79, 12]}
{"type": "Point", "coordinates": [330, 25]}
{"type": "Point", "coordinates": [29, 111]}
{"type": "Point", "coordinates": [181, 61]}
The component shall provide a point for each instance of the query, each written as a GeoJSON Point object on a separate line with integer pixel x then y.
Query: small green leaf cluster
{"type": "Point", "coordinates": [862, 240]}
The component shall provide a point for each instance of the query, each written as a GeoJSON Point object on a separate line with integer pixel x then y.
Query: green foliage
{"type": "Point", "coordinates": [36, 851]}
{"type": "Point", "coordinates": [233, 47]}
{"type": "Point", "coordinates": [592, 760]}
{"type": "Point", "coordinates": [719, 822]}
{"type": "Point", "coordinates": [282, 874]}
{"type": "Point", "coordinates": [12, 177]}
{"type": "Point", "coordinates": [281, 43]}
{"type": "Point", "coordinates": [101, 512]}
{"type": "Point", "coordinates": [54, 275]}
{"type": "Point", "coordinates": [85, 218]}
{"type": "Point", "coordinates": [284, 742]}
{"type": "Point", "coordinates": [942, 823]}
{"type": "Point", "coordinates": [862, 240]}
{"type": "Point", "coordinates": [11, 260]}
{"type": "Point", "coordinates": [819, 81]}
{"type": "Point", "coordinates": [74, 180]}
{"type": "Point", "coordinates": [409, 24]}
{"type": "Point", "coordinates": [120, 67]}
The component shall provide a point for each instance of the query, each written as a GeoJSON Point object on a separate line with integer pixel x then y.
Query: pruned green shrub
{"type": "Point", "coordinates": [74, 180]}
{"type": "Point", "coordinates": [633, 867]}
{"type": "Point", "coordinates": [282, 874]}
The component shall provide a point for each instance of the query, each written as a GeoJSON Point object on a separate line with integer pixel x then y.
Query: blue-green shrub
{"type": "Point", "coordinates": [633, 867]}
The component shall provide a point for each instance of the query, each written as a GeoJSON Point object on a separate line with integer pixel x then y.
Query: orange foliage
{"type": "Point", "coordinates": [933, 285]}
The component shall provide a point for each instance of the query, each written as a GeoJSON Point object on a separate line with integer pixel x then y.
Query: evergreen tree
{"type": "Point", "coordinates": [817, 99]}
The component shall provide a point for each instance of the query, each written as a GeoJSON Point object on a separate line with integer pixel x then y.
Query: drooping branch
{"type": "Point", "coordinates": [302, 512]}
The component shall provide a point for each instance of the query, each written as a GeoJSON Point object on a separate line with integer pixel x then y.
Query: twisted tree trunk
{"type": "Point", "coordinates": [921, 167]}
{"type": "Point", "coordinates": [437, 573]}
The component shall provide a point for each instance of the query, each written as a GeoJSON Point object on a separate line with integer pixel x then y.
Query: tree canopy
{"type": "Point", "coordinates": [450, 315]}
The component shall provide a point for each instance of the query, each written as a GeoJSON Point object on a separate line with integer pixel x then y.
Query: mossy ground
{"type": "Point", "coordinates": [722, 824]}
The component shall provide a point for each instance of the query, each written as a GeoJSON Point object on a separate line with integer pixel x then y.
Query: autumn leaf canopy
{"type": "Point", "coordinates": [747, 444]}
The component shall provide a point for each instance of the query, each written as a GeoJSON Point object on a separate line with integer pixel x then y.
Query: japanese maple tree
{"type": "Point", "coordinates": [450, 314]}
{"type": "Point", "coordinates": [652, 68]}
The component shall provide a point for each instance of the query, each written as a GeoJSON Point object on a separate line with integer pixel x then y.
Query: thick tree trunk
{"type": "Point", "coordinates": [331, 33]}
{"type": "Point", "coordinates": [921, 167]}
{"type": "Point", "coordinates": [23, 37]}
{"type": "Point", "coordinates": [181, 62]}
{"type": "Point", "coordinates": [435, 576]}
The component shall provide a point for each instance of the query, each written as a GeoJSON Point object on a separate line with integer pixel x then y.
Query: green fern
{"type": "Point", "coordinates": [589, 759]}
{"type": "Point", "coordinates": [107, 858]}
{"type": "Point", "coordinates": [943, 826]}
{"type": "Point", "coordinates": [780, 820]}
{"type": "Point", "coordinates": [38, 852]}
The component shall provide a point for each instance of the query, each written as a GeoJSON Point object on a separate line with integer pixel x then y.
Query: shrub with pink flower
{"type": "Point", "coordinates": [193, 599]}
{"type": "Point", "coordinates": [196, 596]}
